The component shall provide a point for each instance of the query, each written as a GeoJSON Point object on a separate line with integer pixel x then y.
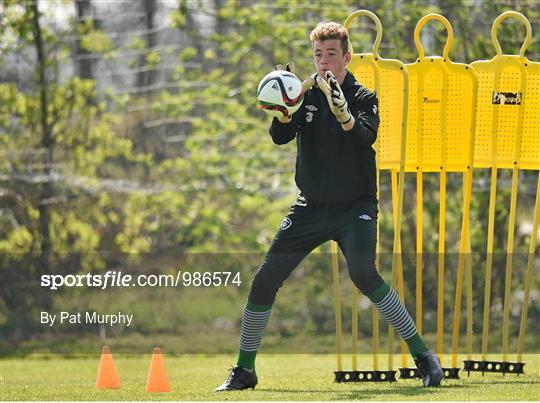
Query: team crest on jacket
{"type": "Point", "coordinates": [286, 223]}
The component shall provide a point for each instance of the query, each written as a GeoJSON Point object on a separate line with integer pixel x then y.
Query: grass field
{"type": "Point", "coordinates": [281, 377]}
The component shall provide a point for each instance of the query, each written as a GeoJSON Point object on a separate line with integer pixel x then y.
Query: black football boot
{"type": "Point", "coordinates": [429, 367]}
{"type": "Point", "coordinates": [239, 379]}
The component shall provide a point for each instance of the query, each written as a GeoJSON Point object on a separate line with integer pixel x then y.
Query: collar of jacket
{"type": "Point", "coordinates": [349, 80]}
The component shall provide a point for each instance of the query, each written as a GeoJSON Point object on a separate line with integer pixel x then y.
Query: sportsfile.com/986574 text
{"type": "Point", "coordinates": [114, 278]}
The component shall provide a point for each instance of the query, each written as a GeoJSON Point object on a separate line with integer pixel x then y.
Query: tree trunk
{"type": "Point", "coordinates": [147, 77]}
{"type": "Point", "coordinates": [47, 143]}
{"type": "Point", "coordinates": [83, 9]}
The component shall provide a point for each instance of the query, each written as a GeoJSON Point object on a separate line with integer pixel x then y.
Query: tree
{"type": "Point", "coordinates": [55, 136]}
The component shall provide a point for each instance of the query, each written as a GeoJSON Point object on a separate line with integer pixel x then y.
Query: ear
{"type": "Point", "coordinates": [347, 57]}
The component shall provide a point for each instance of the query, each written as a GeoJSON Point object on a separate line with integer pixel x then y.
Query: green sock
{"type": "Point", "coordinates": [381, 292]}
{"type": "Point", "coordinates": [254, 321]}
{"type": "Point", "coordinates": [393, 311]}
{"type": "Point", "coordinates": [246, 359]}
{"type": "Point", "coordinates": [416, 345]}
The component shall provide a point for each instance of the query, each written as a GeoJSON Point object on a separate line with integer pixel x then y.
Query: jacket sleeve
{"type": "Point", "coordinates": [365, 110]}
{"type": "Point", "coordinates": [282, 133]}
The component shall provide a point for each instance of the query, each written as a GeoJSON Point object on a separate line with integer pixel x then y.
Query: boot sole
{"type": "Point", "coordinates": [232, 390]}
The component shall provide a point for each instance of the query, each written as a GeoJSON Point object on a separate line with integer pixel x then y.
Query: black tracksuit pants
{"type": "Point", "coordinates": [353, 225]}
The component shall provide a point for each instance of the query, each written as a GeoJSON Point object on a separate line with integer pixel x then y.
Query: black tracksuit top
{"type": "Point", "coordinates": [334, 165]}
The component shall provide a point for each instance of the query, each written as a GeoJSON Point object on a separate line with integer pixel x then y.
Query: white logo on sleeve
{"type": "Point", "coordinates": [286, 223]}
{"type": "Point", "coordinates": [364, 217]}
{"type": "Point", "coordinates": [374, 109]}
{"type": "Point", "coordinates": [309, 117]}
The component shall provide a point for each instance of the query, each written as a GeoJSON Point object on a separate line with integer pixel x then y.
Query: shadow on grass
{"type": "Point", "coordinates": [456, 384]}
{"type": "Point", "coordinates": [361, 393]}
{"type": "Point", "coordinates": [408, 391]}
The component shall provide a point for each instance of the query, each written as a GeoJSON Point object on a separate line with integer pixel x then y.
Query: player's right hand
{"type": "Point", "coordinates": [290, 67]}
{"type": "Point", "coordinates": [306, 84]}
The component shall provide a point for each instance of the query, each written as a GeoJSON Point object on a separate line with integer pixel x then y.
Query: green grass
{"type": "Point", "coordinates": [281, 377]}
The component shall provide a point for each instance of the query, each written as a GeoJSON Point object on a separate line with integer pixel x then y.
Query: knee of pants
{"type": "Point", "coordinates": [264, 288]}
{"type": "Point", "coordinates": [274, 270]}
{"type": "Point", "coordinates": [365, 277]}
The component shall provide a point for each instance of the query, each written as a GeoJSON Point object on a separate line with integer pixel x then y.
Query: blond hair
{"type": "Point", "coordinates": [330, 30]}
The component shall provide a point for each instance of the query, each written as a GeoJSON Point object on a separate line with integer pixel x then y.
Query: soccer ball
{"type": "Point", "coordinates": [280, 93]}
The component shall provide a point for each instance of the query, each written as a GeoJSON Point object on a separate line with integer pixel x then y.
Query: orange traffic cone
{"type": "Point", "coordinates": [157, 375]}
{"type": "Point", "coordinates": [107, 377]}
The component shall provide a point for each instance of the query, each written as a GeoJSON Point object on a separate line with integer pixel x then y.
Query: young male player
{"type": "Point", "coordinates": [336, 174]}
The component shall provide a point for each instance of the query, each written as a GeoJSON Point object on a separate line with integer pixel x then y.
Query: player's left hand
{"type": "Point", "coordinates": [336, 98]}
{"type": "Point", "coordinates": [306, 84]}
{"type": "Point", "coordinates": [290, 67]}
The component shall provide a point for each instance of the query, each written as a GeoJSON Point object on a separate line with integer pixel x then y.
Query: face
{"type": "Point", "coordinates": [328, 55]}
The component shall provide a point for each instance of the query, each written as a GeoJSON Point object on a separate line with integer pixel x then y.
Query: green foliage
{"type": "Point", "coordinates": [192, 168]}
